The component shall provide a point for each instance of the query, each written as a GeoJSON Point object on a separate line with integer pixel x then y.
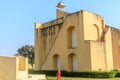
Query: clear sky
{"type": "Point", "coordinates": [17, 18]}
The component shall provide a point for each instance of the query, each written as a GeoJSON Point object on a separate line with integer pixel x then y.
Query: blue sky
{"type": "Point", "coordinates": [17, 18]}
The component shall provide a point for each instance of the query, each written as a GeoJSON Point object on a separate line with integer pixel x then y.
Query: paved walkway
{"type": "Point", "coordinates": [35, 77]}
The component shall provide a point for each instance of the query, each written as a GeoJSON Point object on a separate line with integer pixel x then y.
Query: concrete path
{"type": "Point", "coordinates": [35, 77]}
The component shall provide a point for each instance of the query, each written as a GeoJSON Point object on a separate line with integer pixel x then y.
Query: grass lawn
{"type": "Point", "coordinates": [73, 78]}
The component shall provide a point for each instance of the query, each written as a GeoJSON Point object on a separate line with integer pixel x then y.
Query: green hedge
{"type": "Point", "coordinates": [90, 74]}
{"type": "Point", "coordinates": [46, 72]}
{"type": "Point", "coordinates": [86, 74]}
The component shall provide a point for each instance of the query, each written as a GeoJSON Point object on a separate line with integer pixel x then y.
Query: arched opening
{"type": "Point", "coordinates": [98, 32]}
{"type": "Point", "coordinates": [56, 62]}
{"type": "Point", "coordinates": [75, 63]}
{"type": "Point", "coordinates": [72, 62]}
{"type": "Point", "coordinates": [72, 37]}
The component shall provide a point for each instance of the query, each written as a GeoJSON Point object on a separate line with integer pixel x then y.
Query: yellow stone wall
{"type": "Point", "coordinates": [9, 68]}
{"type": "Point", "coordinates": [108, 52]}
{"type": "Point", "coordinates": [93, 25]}
{"type": "Point", "coordinates": [93, 42]}
{"type": "Point", "coordinates": [116, 47]}
{"type": "Point", "coordinates": [98, 61]}
{"type": "Point", "coordinates": [21, 68]}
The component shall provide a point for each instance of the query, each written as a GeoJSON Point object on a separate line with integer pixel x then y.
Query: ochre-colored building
{"type": "Point", "coordinates": [77, 41]}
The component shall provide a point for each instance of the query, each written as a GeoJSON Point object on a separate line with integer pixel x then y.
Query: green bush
{"type": "Point", "coordinates": [46, 72]}
{"type": "Point", "coordinates": [92, 74]}
{"type": "Point", "coordinates": [86, 74]}
{"type": "Point", "coordinates": [117, 74]}
{"type": "Point", "coordinates": [112, 74]}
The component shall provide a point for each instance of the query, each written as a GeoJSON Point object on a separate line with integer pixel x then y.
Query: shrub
{"type": "Point", "coordinates": [47, 72]}
{"type": "Point", "coordinates": [86, 74]}
{"type": "Point", "coordinates": [112, 74]}
{"type": "Point", "coordinates": [117, 74]}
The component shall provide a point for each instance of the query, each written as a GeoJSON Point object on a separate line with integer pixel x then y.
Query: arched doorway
{"type": "Point", "coordinates": [75, 63]}
{"type": "Point", "coordinates": [72, 62]}
{"type": "Point", "coordinates": [56, 62]}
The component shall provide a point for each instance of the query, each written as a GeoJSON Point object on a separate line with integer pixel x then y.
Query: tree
{"type": "Point", "coordinates": [27, 51]}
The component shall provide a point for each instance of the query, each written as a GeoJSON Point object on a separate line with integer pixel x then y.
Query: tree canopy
{"type": "Point", "coordinates": [27, 51]}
